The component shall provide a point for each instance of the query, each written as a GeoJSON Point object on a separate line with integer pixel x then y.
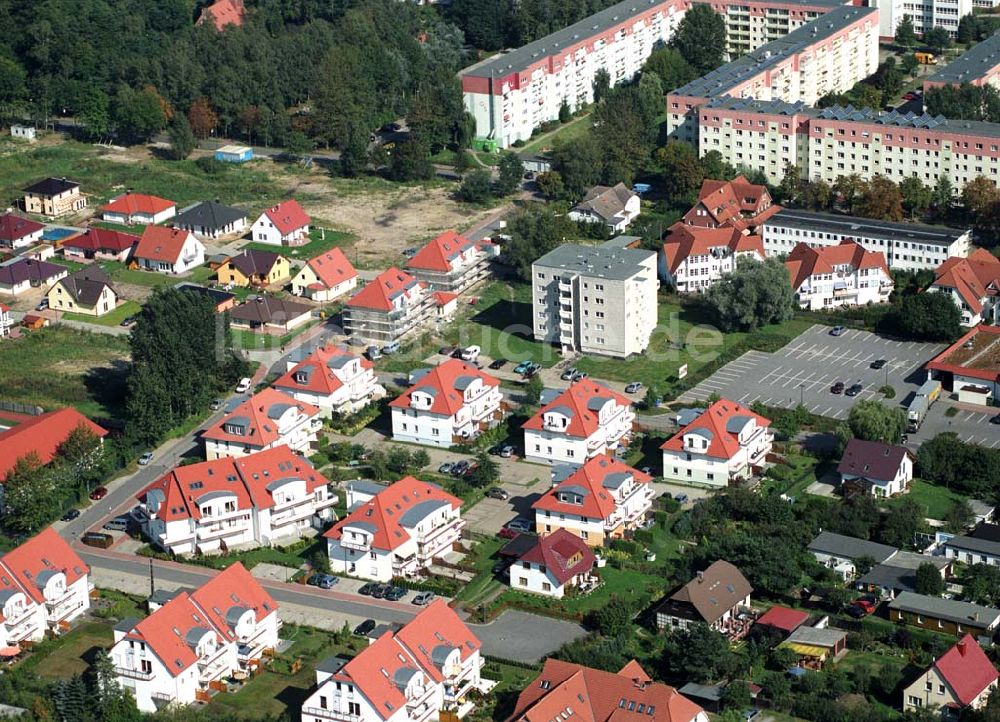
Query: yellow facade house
{"type": "Point", "coordinates": [88, 291]}
{"type": "Point", "coordinates": [255, 268]}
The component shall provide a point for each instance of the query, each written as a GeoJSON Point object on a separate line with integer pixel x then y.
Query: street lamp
{"type": "Point", "coordinates": [801, 390]}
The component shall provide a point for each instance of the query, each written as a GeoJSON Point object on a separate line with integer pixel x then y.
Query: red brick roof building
{"type": "Point", "coordinates": [973, 284]}
{"type": "Point", "coordinates": [41, 435]}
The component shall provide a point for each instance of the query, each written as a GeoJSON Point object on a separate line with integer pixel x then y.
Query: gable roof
{"type": "Point", "coordinates": [871, 460]}
{"type": "Point", "coordinates": [966, 669]}
{"type": "Point", "coordinates": [685, 241]}
{"type": "Point", "coordinates": [268, 309]}
{"type": "Point", "coordinates": [131, 203]}
{"type": "Point", "coordinates": [581, 403]}
{"type": "Point", "coordinates": [287, 216]}
{"type": "Point", "coordinates": [984, 539]}
{"type": "Point", "coordinates": [51, 187]}
{"type": "Point", "coordinates": [974, 278]}
{"type": "Point", "coordinates": [721, 424]}
{"type": "Point", "coordinates": [446, 384]}
{"type": "Point", "coordinates": [29, 563]}
{"type": "Point", "coordinates": [252, 262]}
{"type": "Point", "coordinates": [439, 253]}
{"type": "Point", "coordinates": [435, 632]}
{"type": "Point", "coordinates": [102, 239]}
{"type": "Point", "coordinates": [379, 293]}
{"type": "Point", "coordinates": [737, 203]}
{"type": "Point", "coordinates": [318, 371]}
{"type": "Point", "coordinates": [208, 214]}
{"type": "Point", "coordinates": [223, 13]}
{"type": "Point", "coordinates": [849, 547]}
{"type": "Point", "coordinates": [28, 269]}
{"type": "Point", "coordinates": [86, 285]}
{"type": "Point", "coordinates": [557, 552]}
{"type": "Point", "coordinates": [160, 243]}
{"type": "Point", "coordinates": [972, 615]}
{"type": "Point", "coordinates": [711, 593]}
{"type": "Point", "coordinates": [594, 482]}
{"type": "Point", "coordinates": [783, 618]}
{"type": "Point", "coordinates": [42, 435]}
{"type": "Point", "coordinates": [259, 416]}
{"type": "Point", "coordinates": [233, 589]}
{"type": "Point", "coordinates": [592, 695]}
{"type": "Point", "coordinates": [332, 267]}
{"type": "Point", "coordinates": [805, 261]}
{"type": "Point", "coordinates": [604, 201]}
{"type": "Point", "coordinates": [14, 228]}
{"type": "Point", "coordinates": [393, 510]}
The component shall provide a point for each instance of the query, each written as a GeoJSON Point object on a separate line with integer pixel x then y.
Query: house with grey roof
{"type": "Point", "coordinates": [947, 616]}
{"type": "Point", "coordinates": [840, 552]}
{"type": "Point", "coordinates": [899, 574]}
{"type": "Point", "coordinates": [614, 206]}
{"type": "Point", "coordinates": [980, 546]}
{"type": "Point", "coordinates": [22, 274]}
{"type": "Point", "coordinates": [88, 291]}
{"type": "Point", "coordinates": [210, 219]}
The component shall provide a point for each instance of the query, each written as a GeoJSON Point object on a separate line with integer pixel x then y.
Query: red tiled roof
{"type": "Point", "coordinates": [974, 278]}
{"type": "Point", "coordinates": [443, 298]}
{"type": "Point", "coordinates": [385, 510]}
{"type": "Point", "coordinates": [379, 293]}
{"type": "Point", "coordinates": [14, 228]}
{"type": "Point", "coordinates": [563, 554]}
{"type": "Point", "coordinates": [446, 383]}
{"type": "Point", "coordinates": [805, 261]}
{"type": "Point", "coordinates": [581, 402]}
{"type": "Point", "coordinates": [722, 444]}
{"type": "Point", "coordinates": [332, 267]}
{"type": "Point", "coordinates": [131, 203]}
{"type": "Point", "coordinates": [438, 254]}
{"type": "Point", "coordinates": [224, 12]}
{"type": "Point", "coordinates": [44, 552]}
{"type": "Point", "coordinates": [232, 587]}
{"type": "Point", "coordinates": [437, 625]}
{"type": "Point", "coordinates": [247, 478]}
{"type": "Point", "coordinates": [42, 435]}
{"type": "Point", "coordinates": [102, 239]}
{"type": "Point", "coordinates": [942, 362]}
{"type": "Point", "coordinates": [159, 243]}
{"type": "Point", "coordinates": [598, 502]}
{"type": "Point", "coordinates": [783, 618]}
{"type": "Point", "coordinates": [737, 203]}
{"type": "Point", "coordinates": [287, 216]}
{"type": "Point", "coordinates": [686, 241]}
{"type": "Point", "coordinates": [319, 371]}
{"type": "Point", "coordinates": [259, 413]}
{"type": "Point", "coordinates": [597, 696]}
{"type": "Point", "coordinates": [966, 669]}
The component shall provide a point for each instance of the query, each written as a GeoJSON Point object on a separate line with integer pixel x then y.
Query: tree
{"type": "Point", "coordinates": [579, 165]}
{"type": "Point", "coordinates": [736, 696]}
{"type": "Point", "coordinates": [909, 63]}
{"type": "Point", "coordinates": [137, 115]}
{"type": "Point", "coordinates": [550, 184]}
{"type": "Point", "coordinates": [182, 140]}
{"type": "Point", "coordinates": [533, 390]}
{"type": "Point", "coordinates": [534, 231]}
{"type": "Point", "coordinates": [872, 420]}
{"type": "Point", "coordinates": [849, 189]}
{"type": "Point", "coordinates": [979, 196]}
{"type": "Point", "coordinates": [864, 564]}
{"type": "Point", "coordinates": [937, 39]}
{"type": "Point", "coordinates": [411, 160]}
{"type": "Point", "coordinates": [511, 170]}
{"type": "Point", "coordinates": [462, 161]}
{"type": "Point", "coordinates": [901, 524]}
{"type": "Point", "coordinates": [699, 654]}
{"type": "Point", "coordinates": [755, 294]}
{"type": "Point", "coordinates": [905, 34]}
{"type": "Point", "coordinates": [928, 580]}
{"type": "Point", "coordinates": [614, 618]}
{"type": "Point", "coordinates": [816, 195]}
{"type": "Point", "coordinates": [420, 459]}
{"type": "Point", "coordinates": [565, 114]}
{"type": "Point", "coordinates": [82, 456]}
{"type": "Point", "coordinates": [701, 39]}
{"type": "Point", "coordinates": [981, 584]}
{"type": "Point", "coordinates": [486, 471]}
{"type": "Point", "coordinates": [967, 29]}
{"type": "Point", "coordinates": [476, 187]}
{"type": "Point", "coordinates": [202, 118]}
{"type": "Point", "coordinates": [671, 67]}
{"type": "Point", "coordinates": [29, 501]}
{"type": "Point", "coordinates": [917, 197]}
{"type": "Point", "coordinates": [881, 199]}
{"type": "Point", "coordinates": [924, 317]}
{"type": "Point", "coordinates": [602, 84]}
{"type": "Point", "coordinates": [958, 517]}
{"type": "Point", "coordinates": [682, 174]}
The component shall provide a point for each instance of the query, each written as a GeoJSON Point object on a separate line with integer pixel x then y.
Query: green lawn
{"type": "Point", "coordinates": [72, 653]}
{"type": "Point", "coordinates": [114, 318]}
{"type": "Point", "coordinates": [59, 366]}
{"type": "Point", "coordinates": [252, 341]}
{"type": "Point", "coordinates": [292, 556]}
{"type": "Point", "coordinates": [564, 133]}
{"type": "Point", "coordinates": [320, 240]}
{"type": "Point", "coordinates": [71, 265]}
{"type": "Point", "coordinates": [123, 274]}
{"type": "Point", "coordinates": [627, 584]}
{"type": "Point", "coordinates": [936, 500]}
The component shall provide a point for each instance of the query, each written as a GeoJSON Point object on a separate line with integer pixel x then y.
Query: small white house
{"type": "Point", "coordinates": [168, 250]}
{"type": "Point", "coordinates": [326, 277]}
{"type": "Point", "coordinates": [554, 564]}
{"type": "Point", "coordinates": [286, 224]}
{"type": "Point", "coordinates": [871, 467]}
{"type": "Point", "coordinates": [615, 206]}
{"type": "Point", "coordinates": [138, 208]}
{"type": "Point", "coordinates": [266, 420]}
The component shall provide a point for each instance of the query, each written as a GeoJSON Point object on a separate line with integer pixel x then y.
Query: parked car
{"type": "Point", "coordinates": [365, 627]}
{"type": "Point", "coordinates": [681, 498]}
{"type": "Point", "coordinates": [568, 374]}
{"type": "Point", "coordinates": [519, 525]}
{"type": "Point", "coordinates": [579, 376]}
{"type": "Point", "coordinates": [501, 567]}
{"type": "Point", "coordinates": [879, 363]}
{"type": "Point", "coordinates": [837, 388]}
{"type": "Point", "coordinates": [216, 404]}
{"type": "Point", "coordinates": [498, 363]}
{"type": "Point", "coordinates": [97, 539]}
{"type": "Point", "coordinates": [391, 347]}
{"type": "Point", "coordinates": [837, 331]}
{"type": "Point", "coordinates": [394, 594]}
{"type": "Point", "coordinates": [42, 305]}
{"type": "Point", "coordinates": [98, 493]}
{"type": "Point", "coordinates": [910, 95]}
{"type": "Point", "coordinates": [119, 523]}
{"type": "Point", "coordinates": [862, 608]}
{"type": "Point", "coordinates": [323, 581]}
{"type": "Point", "coordinates": [367, 589]}
{"type": "Point", "coordinates": [854, 389]}
{"type": "Point", "coordinates": [497, 493]}
{"type": "Point", "coordinates": [751, 714]}
{"type": "Point", "coordinates": [410, 252]}
{"type": "Point", "coordinates": [634, 387]}
{"type": "Point", "coordinates": [446, 350]}
{"type": "Point", "coordinates": [522, 367]}
{"type": "Point", "coordinates": [647, 523]}
{"type": "Point", "coordinates": [70, 515]}
{"type": "Point", "coordinates": [244, 385]}
{"type": "Point", "coordinates": [995, 419]}
{"type": "Point", "coordinates": [507, 533]}
{"type": "Point", "coordinates": [146, 458]}
{"type": "Point", "coordinates": [471, 353]}
{"type": "Point", "coordinates": [506, 451]}
{"type": "Point", "coordinates": [381, 590]}
{"type": "Point", "coordinates": [138, 513]}
{"type": "Point", "coordinates": [127, 321]}
{"type": "Point", "coordinates": [460, 467]}
{"type": "Point", "coordinates": [445, 468]}
{"type": "Point", "coordinates": [423, 598]}
{"type": "Point", "coordinates": [373, 353]}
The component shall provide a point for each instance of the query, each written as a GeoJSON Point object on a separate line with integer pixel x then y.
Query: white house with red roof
{"type": "Point", "coordinates": [41, 435]}
{"type": "Point", "coordinates": [217, 505]}
{"type": "Point", "coordinates": [960, 679]}
{"type": "Point", "coordinates": [101, 244]}
{"type": "Point", "coordinates": [600, 500]}
{"type": "Point", "coordinates": [332, 379]}
{"type": "Point", "coordinates": [694, 258]}
{"type": "Point", "coordinates": [44, 586]}
{"type": "Point", "coordinates": [718, 445]}
{"type": "Point", "coordinates": [395, 531]}
{"type": "Point", "coordinates": [326, 277]}
{"type": "Point", "coordinates": [6, 321]}
{"type": "Point", "coordinates": [285, 224]}
{"type": "Point", "coordinates": [735, 204]}
{"type": "Point", "coordinates": [452, 263]}
{"type": "Point", "coordinates": [448, 404]}
{"type": "Point", "coordinates": [842, 275]}
{"type": "Point", "coordinates": [184, 649]}
{"type": "Point", "coordinates": [18, 232]}
{"type": "Point", "coordinates": [586, 420]}
{"type": "Point", "coordinates": [389, 307]}
{"type": "Point", "coordinates": [138, 208]}
{"type": "Point", "coordinates": [430, 665]}
{"type": "Point", "coordinates": [973, 283]}
{"type": "Point", "coordinates": [168, 250]}
{"type": "Point", "coordinates": [267, 419]}
{"type": "Point", "coordinates": [554, 564]}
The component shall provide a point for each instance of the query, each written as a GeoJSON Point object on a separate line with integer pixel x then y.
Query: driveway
{"type": "Point", "coordinates": [525, 637]}
{"type": "Point", "coordinates": [490, 515]}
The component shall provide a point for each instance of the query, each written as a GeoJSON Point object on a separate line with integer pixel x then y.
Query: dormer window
{"type": "Point", "coordinates": [301, 377]}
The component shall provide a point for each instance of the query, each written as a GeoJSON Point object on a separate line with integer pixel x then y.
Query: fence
{"type": "Point", "coordinates": [19, 408]}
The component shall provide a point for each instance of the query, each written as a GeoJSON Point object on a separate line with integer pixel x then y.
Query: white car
{"type": "Point", "coordinates": [243, 386]}
{"type": "Point", "coordinates": [146, 458]}
{"type": "Point", "coordinates": [471, 353]}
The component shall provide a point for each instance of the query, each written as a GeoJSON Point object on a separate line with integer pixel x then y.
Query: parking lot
{"type": "Point", "coordinates": [971, 426]}
{"type": "Point", "coordinates": [806, 369]}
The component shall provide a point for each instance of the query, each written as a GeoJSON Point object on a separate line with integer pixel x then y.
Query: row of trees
{"type": "Point", "coordinates": [966, 468]}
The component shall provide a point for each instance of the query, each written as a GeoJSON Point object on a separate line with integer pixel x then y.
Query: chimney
{"type": "Point", "coordinates": [701, 577]}
{"type": "Point", "coordinates": [961, 647]}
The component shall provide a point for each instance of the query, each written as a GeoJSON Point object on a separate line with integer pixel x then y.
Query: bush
{"type": "Point", "coordinates": [211, 166]}
{"type": "Point", "coordinates": [643, 536]}
{"type": "Point", "coordinates": [887, 391]}
{"type": "Point", "coordinates": [319, 460]}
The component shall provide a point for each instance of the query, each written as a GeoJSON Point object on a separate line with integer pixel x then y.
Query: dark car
{"type": "Point", "coordinates": [995, 419]}
{"type": "Point", "coordinates": [70, 515]}
{"type": "Point", "coordinates": [323, 581]}
{"type": "Point", "coordinates": [394, 594]}
{"type": "Point", "coordinates": [97, 539]}
{"type": "Point", "coordinates": [459, 468]}
{"type": "Point", "coordinates": [837, 331]}
{"type": "Point", "coordinates": [579, 376]}
{"type": "Point", "coordinates": [98, 493]}
{"type": "Point", "coordinates": [879, 363]}
{"type": "Point", "coordinates": [367, 589]}
{"type": "Point", "coordinates": [127, 321]}
{"type": "Point", "coordinates": [446, 350]}
{"type": "Point", "coordinates": [457, 353]}
{"type": "Point", "coordinates": [497, 493]}
{"type": "Point", "coordinates": [854, 390]}
{"type": "Point", "coordinates": [507, 533]}
{"type": "Point", "coordinates": [837, 388]}
{"type": "Point", "coordinates": [568, 374]}
{"type": "Point", "coordinates": [381, 590]}
{"type": "Point", "coordinates": [365, 627]}
{"type": "Point", "coordinates": [498, 364]}
{"type": "Point", "coordinates": [445, 468]}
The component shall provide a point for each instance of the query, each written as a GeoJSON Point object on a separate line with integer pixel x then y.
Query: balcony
{"type": "Point", "coordinates": [217, 531]}
{"type": "Point", "coordinates": [18, 618]}
{"type": "Point", "coordinates": [360, 546]}
{"type": "Point", "coordinates": [330, 714]}
{"type": "Point", "coordinates": [133, 673]}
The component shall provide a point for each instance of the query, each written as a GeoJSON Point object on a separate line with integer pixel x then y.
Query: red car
{"type": "Point", "coordinates": [507, 533]}
{"type": "Point", "coordinates": [98, 493]}
{"type": "Point", "coordinates": [862, 608]}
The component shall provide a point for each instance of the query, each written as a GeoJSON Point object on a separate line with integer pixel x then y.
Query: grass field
{"type": "Point", "coordinates": [58, 366]}
{"type": "Point", "coordinates": [114, 318]}
{"type": "Point", "coordinates": [72, 653]}
{"type": "Point", "coordinates": [936, 500]}
{"type": "Point", "coordinates": [570, 131]}
{"type": "Point", "coordinates": [123, 274]}
{"type": "Point", "coordinates": [627, 584]}
{"type": "Point", "coordinates": [320, 240]}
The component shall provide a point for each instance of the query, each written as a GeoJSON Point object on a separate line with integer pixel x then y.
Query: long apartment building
{"type": "Point", "coordinates": [925, 14]}
{"type": "Point", "coordinates": [979, 65]}
{"type": "Point", "coordinates": [595, 299]}
{"type": "Point", "coordinates": [827, 55]}
{"type": "Point", "coordinates": [752, 23]}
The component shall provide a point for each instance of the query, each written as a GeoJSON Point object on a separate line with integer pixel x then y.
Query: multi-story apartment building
{"type": "Point", "coordinates": [388, 308]}
{"type": "Point", "coordinates": [511, 94]}
{"type": "Point", "coordinates": [446, 405]}
{"type": "Point", "coordinates": [842, 275]}
{"type": "Point", "coordinates": [394, 531]}
{"type": "Point", "coordinates": [191, 644]}
{"type": "Point", "coordinates": [595, 299]}
{"type": "Point", "coordinates": [752, 23]}
{"type": "Point", "coordinates": [979, 65]}
{"type": "Point", "coordinates": [332, 379]}
{"type": "Point", "coordinates": [717, 446]}
{"type": "Point", "coordinates": [695, 258]}
{"type": "Point", "coordinates": [601, 500]}
{"type": "Point", "coordinates": [826, 55]}
{"type": "Point", "coordinates": [973, 283]}
{"type": "Point", "coordinates": [906, 246]}
{"type": "Point", "coordinates": [267, 419]}
{"type": "Point", "coordinates": [586, 420]}
{"type": "Point", "coordinates": [452, 263]}
{"type": "Point", "coordinates": [254, 500]}
{"type": "Point", "coordinates": [423, 671]}
{"type": "Point", "coordinates": [44, 585]}
{"type": "Point", "coordinates": [924, 14]}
